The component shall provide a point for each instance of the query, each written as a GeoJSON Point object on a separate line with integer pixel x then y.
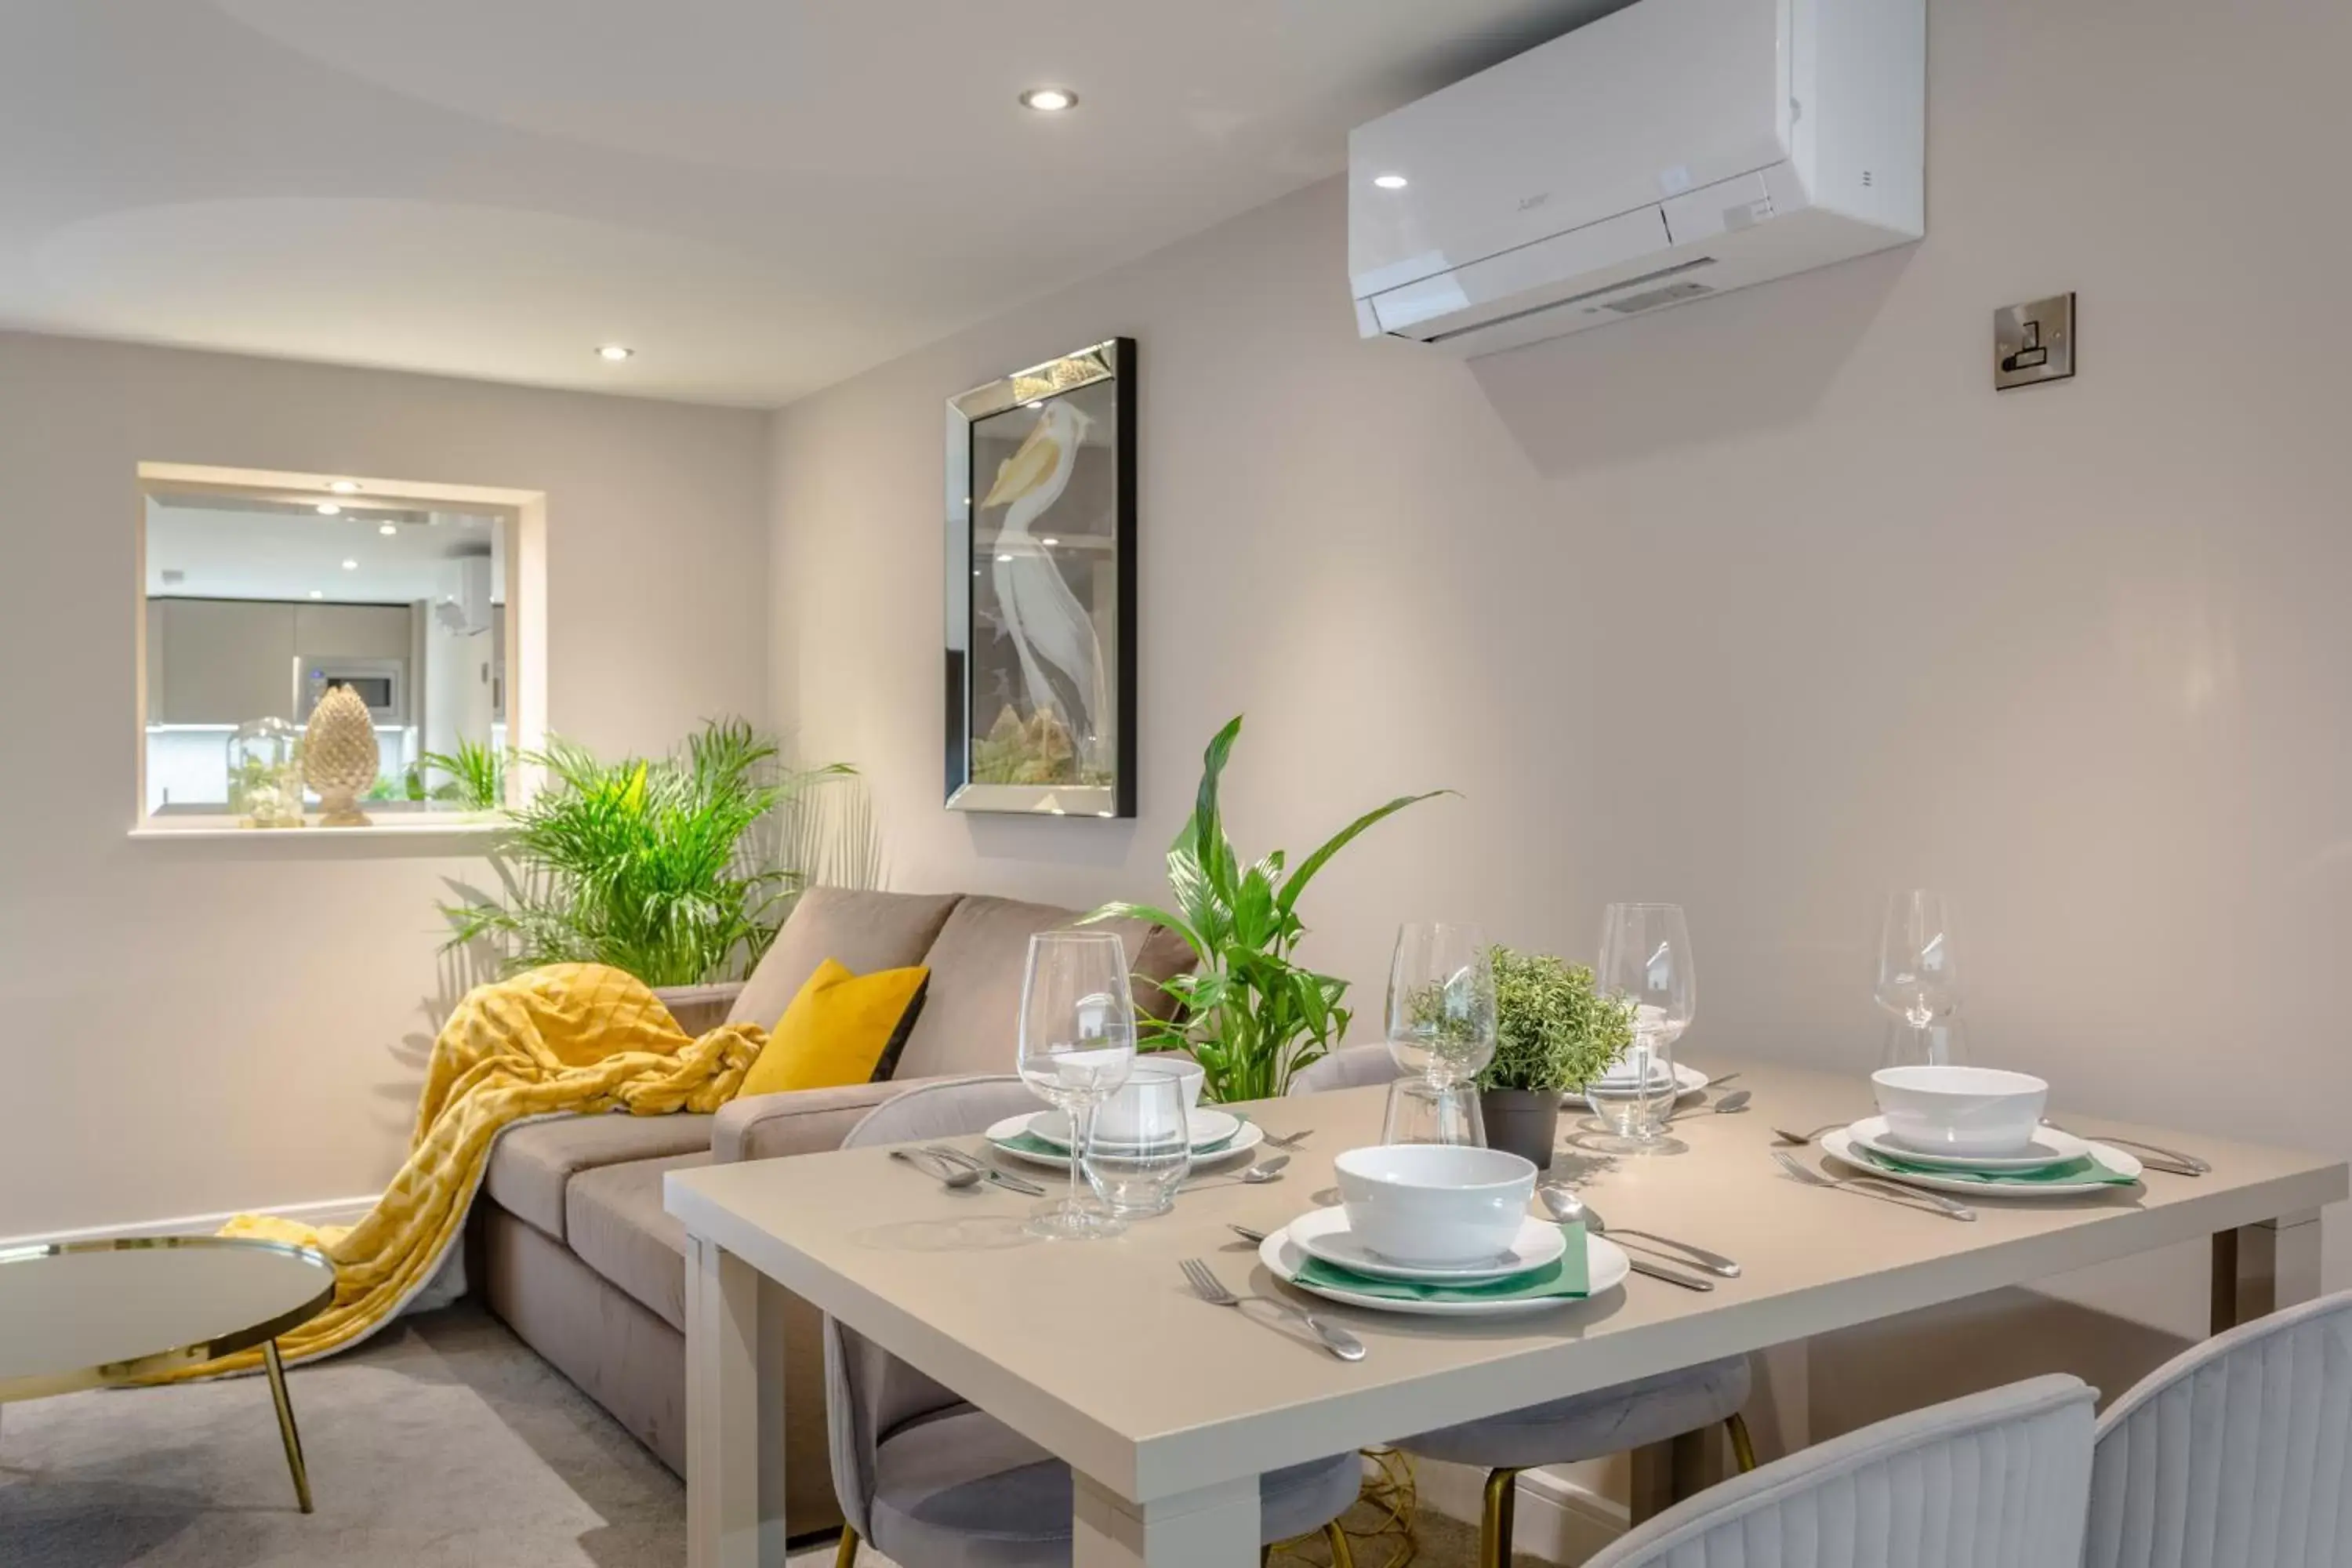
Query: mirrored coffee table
{"type": "Point", "coordinates": [84, 1314]}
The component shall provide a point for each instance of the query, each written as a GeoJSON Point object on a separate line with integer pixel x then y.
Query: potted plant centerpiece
{"type": "Point", "coordinates": [1554, 1031]}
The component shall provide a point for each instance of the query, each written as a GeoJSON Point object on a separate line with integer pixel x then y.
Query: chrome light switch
{"type": "Point", "coordinates": [2034, 341]}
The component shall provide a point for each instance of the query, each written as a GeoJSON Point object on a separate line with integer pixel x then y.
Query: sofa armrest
{"type": "Point", "coordinates": [800, 1121]}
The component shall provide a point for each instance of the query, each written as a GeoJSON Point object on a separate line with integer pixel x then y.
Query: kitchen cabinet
{"type": "Point", "coordinates": [224, 661]}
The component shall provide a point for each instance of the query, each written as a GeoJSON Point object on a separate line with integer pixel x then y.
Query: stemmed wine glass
{"type": "Point", "coordinates": [1646, 962]}
{"type": "Point", "coordinates": [1441, 1008]}
{"type": "Point", "coordinates": [1919, 977]}
{"type": "Point", "coordinates": [1078, 1046]}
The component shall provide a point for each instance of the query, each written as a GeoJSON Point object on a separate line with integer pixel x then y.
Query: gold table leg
{"type": "Point", "coordinates": [286, 1423]}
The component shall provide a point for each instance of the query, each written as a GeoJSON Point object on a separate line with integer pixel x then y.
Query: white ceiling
{"type": "Point", "coordinates": [221, 552]}
{"type": "Point", "coordinates": [761, 197]}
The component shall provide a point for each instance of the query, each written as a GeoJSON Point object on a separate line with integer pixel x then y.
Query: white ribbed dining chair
{"type": "Point", "coordinates": [935, 1482]}
{"type": "Point", "coordinates": [1999, 1479]}
{"type": "Point", "coordinates": [1584, 1426]}
{"type": "Point", "coordinates": [2235, 1454]}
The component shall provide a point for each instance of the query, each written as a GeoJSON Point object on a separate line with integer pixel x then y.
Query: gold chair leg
{"type": "Point", "coordinates": [1743, 1451]}
{"type": "Point", "coordinates": [1501, 1512]}
{"type": "Point", "coordinates": [1341, 1556]}
{"type": "Point", "coordinates": [846, 1555]}
{"type": "Point", "coordinates": [286, 1422]}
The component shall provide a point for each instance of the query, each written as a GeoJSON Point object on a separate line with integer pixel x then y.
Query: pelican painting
{"type": "Point", "coordinates": [1041, 590]}
{"type": "Point", "coordinates": [1051, 633]}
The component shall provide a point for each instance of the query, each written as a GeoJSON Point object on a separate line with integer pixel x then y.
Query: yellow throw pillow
{"type": "Point", "coordinates": [842, 1029]}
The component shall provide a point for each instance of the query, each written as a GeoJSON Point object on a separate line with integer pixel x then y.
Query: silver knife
{"type": "Point", "coordinates": [1671, 1276]}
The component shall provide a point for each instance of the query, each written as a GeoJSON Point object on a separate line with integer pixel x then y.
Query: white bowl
{"type": "Point", "coordinates": [1435, 1204]}
{"type": "Point", "coordinates": [1119, 1120]}
{"type": "Point", "coordinates": [1960, 1110]}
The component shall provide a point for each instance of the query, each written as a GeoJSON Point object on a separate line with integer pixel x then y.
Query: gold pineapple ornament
{"type": "Point", "coordinates": [339, 755]}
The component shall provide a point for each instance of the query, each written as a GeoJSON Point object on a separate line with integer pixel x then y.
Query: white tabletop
{"type": "Point", "coordinates": [1097, 1352]}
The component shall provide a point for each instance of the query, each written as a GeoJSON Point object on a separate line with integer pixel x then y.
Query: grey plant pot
{"type": "Point", "coordinates": [1524, 1121]}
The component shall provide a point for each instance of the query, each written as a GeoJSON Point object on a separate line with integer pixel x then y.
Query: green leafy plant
{"type": "Point", "coordinates": [1553, 1029]}
{"type": "Point", "coordinates": [654, 865]}
{"type": "Point", "coordinates": [1250, 1015]}
{"type": "Point", "coordinates": [477, 775]}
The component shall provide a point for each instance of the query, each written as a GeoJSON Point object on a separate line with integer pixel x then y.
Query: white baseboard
{"type": "Point", "coordinates": [1556, 1522]}
{"type": "Point", "coordinates": [327, 1211]}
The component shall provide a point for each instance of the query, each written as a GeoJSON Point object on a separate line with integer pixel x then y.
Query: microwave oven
{"type": "Point", "coordinates": [382, 684]}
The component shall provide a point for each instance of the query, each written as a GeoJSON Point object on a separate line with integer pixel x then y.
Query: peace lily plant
{"type": "Point", "coordinates": [1249, 1014]}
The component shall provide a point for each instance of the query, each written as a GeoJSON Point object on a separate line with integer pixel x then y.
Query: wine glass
{"type": "Point", "coordinates": [1646, 962]}
{"type": "Point", "coordinates": [1078, 1046]}
{"type": "Point", "coordinates": [1918, 981]}
{"type": "Point", "coordinates": [1441, 1010]}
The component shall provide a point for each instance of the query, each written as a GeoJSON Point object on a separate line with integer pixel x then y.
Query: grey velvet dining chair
{"type": "Point", "coordinates": [2235, 1454]}
{"type": "Point", "coordinates": [1588, 1425]}
{"type": "Point", "coordinates": [935, 1482]}
{"type": "Point", "coordinates": [1998, 1479]}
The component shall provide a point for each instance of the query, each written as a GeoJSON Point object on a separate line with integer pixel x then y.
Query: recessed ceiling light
{"type": "Point", "coordinates": [1004, 558]}
{"type": "Point", "coordinates": [1039, 404]}
{"type": "Point", "coordinates": [318, 593]}
{"type": "Point", "coordinates": [1049, 544]}
{"type": "Point", "coordinates": [1391, 182]}
{"type": "Point", "coordinates": [388, 529]}
{"type": "Point", "coordinates": [1049, 99]}
{"type": "Point", "coordinates": [350, 565]}
{"type": "Point", "coordinates": [345, 486]}
{"type": "Point", "coordinates": [613, 351]}
{"type": "Point", "coordinates": [329, 509]}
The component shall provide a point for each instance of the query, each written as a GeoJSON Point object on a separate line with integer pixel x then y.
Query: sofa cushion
{"type": "Point", "coordinates": [866, 931]}
{"type": "Point", "coordinates": [842, 1029]}
{"type": "Point", "coordinates": [618, 1226]}
{"type": "Point", "coordinates": [971, 1021]}
{"type": "Point", "coordinates": [534, 1162]}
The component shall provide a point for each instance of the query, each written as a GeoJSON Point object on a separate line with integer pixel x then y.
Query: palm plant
{"type": "Point", "coordinates": [477, 775]}
{"type": "Point", "coordinates": [1250, 1015]}
{"type": "Point", "coordinates": [652, 866]}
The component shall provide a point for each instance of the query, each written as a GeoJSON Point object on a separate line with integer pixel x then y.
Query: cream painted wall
{"type": "Point", "coordinates": [1766, 604]}
{"type": "Point", "coordinates": [199, 1026]}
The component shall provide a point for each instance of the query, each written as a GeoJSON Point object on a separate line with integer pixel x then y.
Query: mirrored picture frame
{"type": "Point", "coordinates": [1041, 588]}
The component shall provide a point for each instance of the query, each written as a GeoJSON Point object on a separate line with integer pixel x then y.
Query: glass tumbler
{"type": "Point", "coordinates": [1137, 1174]}
{"type": "Point", "coordinates": [1420, 1112]}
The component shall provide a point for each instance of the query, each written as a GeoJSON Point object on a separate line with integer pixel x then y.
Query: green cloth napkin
{"type": "Point", "coordinates": [1027, 1143]}
{"type": "Point", "coordinates": [1565, 1278]}
{"type": "Point", "coordinates": [2088, 1168]}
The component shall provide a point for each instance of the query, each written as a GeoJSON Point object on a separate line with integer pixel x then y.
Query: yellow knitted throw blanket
{"type": "Point", "coordinates": [577, 1038]}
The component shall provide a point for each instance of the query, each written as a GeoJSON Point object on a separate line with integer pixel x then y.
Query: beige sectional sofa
{"type": "Point", "coordinates": [572, 1249]}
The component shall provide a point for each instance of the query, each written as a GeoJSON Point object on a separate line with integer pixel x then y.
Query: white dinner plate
{"type": "Point", "coordinates": [1325, 1234]}
{"type": "Point", "coordinates": [2051, 1147]}
{"type": "Point", "coordinates": [1207, 1127]}
{"type": "Point", "coordinates": [1250, 1137]}
{"type": "Point", "coordinates": [1840, 1147]}
{"type": "Point", "coordinates": [1688, 1080]}
{"type": "Point", "coordinates": [1605, 1266]}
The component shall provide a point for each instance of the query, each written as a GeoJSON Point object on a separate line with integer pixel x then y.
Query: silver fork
{"type": "Point", "coordinates": [1211, 1289]}
{"type": "Point", "coordinates": [988, 1173]}
{"type": "Point", "coordinates": [1872, 1188]}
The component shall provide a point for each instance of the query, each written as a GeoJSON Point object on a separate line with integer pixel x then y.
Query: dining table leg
{"type": "Point", "coordinates": [2259, 1268]}
{"type": "Point", "coordinates": [1216, 1527]}
{"type": "Point", "coordinates": [728, 1395]}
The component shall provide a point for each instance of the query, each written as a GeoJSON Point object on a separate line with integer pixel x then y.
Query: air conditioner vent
{"type": "Point", "coordinates": [1634, 304]}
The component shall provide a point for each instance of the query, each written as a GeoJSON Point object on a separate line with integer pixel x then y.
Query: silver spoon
{"type": "Point", "coordinates": [1731, 1104]}
{"type": "Point", "coordinates": [950, 1176]}
{"type": "Point", "coordinates": [1264, 1171]}
{"type": "Point", "coordinates": [1567, 1206]}
{"type": "Point", "coordinates": [1569, 1209]}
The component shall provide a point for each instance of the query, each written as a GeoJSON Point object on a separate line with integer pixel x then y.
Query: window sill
{"type": "Point", "coordinates": [456, 825]}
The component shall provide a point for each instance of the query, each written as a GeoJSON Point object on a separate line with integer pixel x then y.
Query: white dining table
{"type": "Point", "coordinates": [1168, 1409]}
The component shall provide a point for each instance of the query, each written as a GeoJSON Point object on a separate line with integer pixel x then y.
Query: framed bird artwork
{"type": "Point", "coordinates": [1041, 588]}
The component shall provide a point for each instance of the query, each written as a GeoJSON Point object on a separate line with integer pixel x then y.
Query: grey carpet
{"type": "Point", "coordinates": [444, 1442]}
